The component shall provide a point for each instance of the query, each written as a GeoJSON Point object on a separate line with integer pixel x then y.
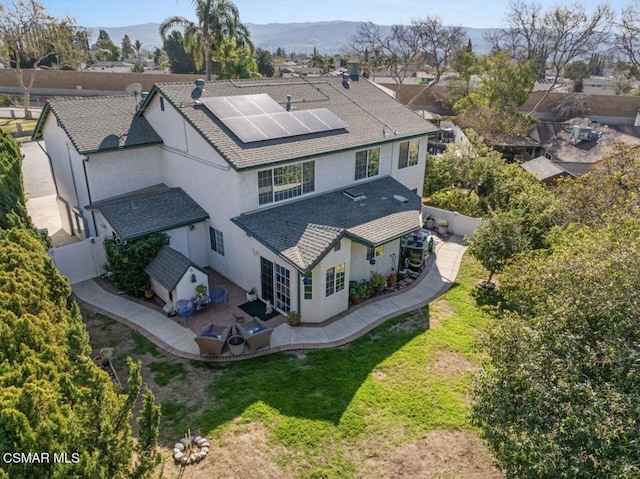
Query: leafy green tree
{"type": "Point", "coordinates": [217, 20]}
{"type": "Point", "coordinates": [137, 45]}
{"type": "Point", "coordinates": [560, 395]}
{"type": "Point", "coordinates": [234, 61]}
{"type": "Point", "coordinates": [610, 190]}
{"type": "Point", "coordinates": [127, 261]}
{"type": "Point", "coordinates": [497, 241]}
{"type": "Point", "coordinates": [12, 209]}
{"type": "Point", "coordinates": [53, 398]}
{"type": "Point", "coordinates": [553, 38]}
{"type": "Point", "coordinates": [127, 48]}
{"type": "Point", "coordinates": [180, 60]}
{"type": "Point", "coordinates": [264, 62]}
{"type": "Point", "coordinates": [149, 424]}
{"type": "Point", "coordinates": [28, 34]}
{"type": "Point", "coordinates": [105, 48]}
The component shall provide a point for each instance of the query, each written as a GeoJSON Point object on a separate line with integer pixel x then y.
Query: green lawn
{"type": "Point", "coordinates": [10, 125]}
{"type": "Point", "coordinates": [326, 403]}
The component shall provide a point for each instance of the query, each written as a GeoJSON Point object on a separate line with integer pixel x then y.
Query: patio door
{"type": "Point", "coordinates": [276, 285]}
{"type": "Point", "coordinates": [266, 278]}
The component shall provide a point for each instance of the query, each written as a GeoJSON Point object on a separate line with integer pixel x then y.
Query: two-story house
{"type": "Point", "coordinates": [294, 187]}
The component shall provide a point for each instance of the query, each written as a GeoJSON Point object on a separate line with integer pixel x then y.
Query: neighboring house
{"type": "Point", "coordinates": [599, 86]}
{"type": "Point", "coordinates": [545, 170]}
{"type": "Point", "coordinates": [571, 148]}
{"type": "Point", "coordinates": [293, 187]}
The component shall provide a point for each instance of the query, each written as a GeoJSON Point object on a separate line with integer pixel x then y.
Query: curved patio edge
{"type": "Point", "coordinates": [348, 326]}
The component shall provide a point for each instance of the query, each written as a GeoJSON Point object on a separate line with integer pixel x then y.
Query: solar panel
{"type": "Point", "coordinates": [331, 120]}
{"type": "Point", "coordinates": [290, 123]}
{"type": "Point", "coordinates": [259, 117]}
{"type": "Point", "coordinates": [245, 129]}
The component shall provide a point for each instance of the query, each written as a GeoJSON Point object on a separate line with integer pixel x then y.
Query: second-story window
{"type": "Point", "coordinates": [367, 163]}
{"type": "Point", "coordinates": [286, 182]}
{"type": "Point", "coordinates": [408, 153]}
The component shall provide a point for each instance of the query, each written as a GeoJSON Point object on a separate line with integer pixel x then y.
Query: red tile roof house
{"type": "Point", "coordinates": [288, 186]}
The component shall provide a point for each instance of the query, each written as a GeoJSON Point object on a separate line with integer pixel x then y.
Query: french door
{"type": "Point", "coordinates": [276, 284]}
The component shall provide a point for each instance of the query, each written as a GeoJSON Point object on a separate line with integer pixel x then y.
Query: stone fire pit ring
{"type": "Point", "coordinates": [190, 450]}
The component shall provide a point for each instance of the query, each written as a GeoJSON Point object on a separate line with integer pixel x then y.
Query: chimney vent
{"type": "Point", "coordinates": [288, 102]}
{"type": "Point", "coordinates": [353, 69]}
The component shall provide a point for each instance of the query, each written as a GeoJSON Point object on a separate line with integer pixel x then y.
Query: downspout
{"type": "Point", "coordinates": [86, 182]}
{"type": "Point", "coordinates": [299, 302]}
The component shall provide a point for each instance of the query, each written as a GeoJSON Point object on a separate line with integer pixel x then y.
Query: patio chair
{"type": "Point", "coordinates": [185, 308]}
{"type": "Point", "coordinates": [256, 333]}
{"type": "Point", "coordinates": [212, 340]}
{"type": "Point", "coordinates": [218, 294]}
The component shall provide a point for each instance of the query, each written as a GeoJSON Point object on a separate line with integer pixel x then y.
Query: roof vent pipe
{"type": "Point", "coordinates": [288, 102]}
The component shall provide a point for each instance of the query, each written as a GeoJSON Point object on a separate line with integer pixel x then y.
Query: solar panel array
{"type": "Point", "coordinates": [259, 117]}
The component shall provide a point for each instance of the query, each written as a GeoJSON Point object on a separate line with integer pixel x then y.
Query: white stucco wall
{"type": "Point", "coordinates": [338, 171]}
{"type": "Point", "coordinates": [114, 173]}
{"type": "Point", "coordinates": [185, 288]}
{"type": "Point", "coordinates": [322, 307]}
{"type": "Point", "coordinates": [360, 266]}
{"type": "Point", "coordinates": [67, 170]}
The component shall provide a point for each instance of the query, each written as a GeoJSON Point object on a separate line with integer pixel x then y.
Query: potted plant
{"type": "Point", "coordinates": [294, 318]}
{"type": "Point", "coordinates": [357, 291]}
{"type": "Point", "coordinates": [442, 226]}
{"type": "Point", "coordinates": [378, 281]}
{"type": "Point", "coordinates": [428, 222]}
{"type": "Point", "coordinates": [415, 260]}
{"type": "Point", "coordinates": [251, 295]}
{"type": "Point", "coordinates": [148, 292]}
{"type": "Point", "coordinates": [201, 290]}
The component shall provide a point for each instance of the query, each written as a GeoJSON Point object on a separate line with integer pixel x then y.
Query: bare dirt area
{"type": "Point", "coordinates": [441, 455]}
{"type": "Point", "coordinates": [452, 364]}
{"type": "Point", "coordinates": [439, 310]}
{"type": "Point", "coordinates": [418, 321]}
{"type": "Point", "coordinates": [236, 455]}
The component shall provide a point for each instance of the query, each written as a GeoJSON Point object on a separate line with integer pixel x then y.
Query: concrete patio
{"type": "Point", "coordinates": [171, 335]}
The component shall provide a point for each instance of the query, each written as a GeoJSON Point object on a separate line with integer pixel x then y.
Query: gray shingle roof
{"type": "Point", "coordinates": [105, 123]}
{"type": "Point", "coordinates": [303, 231]}
{"type": "Point", "coordinates": [363, 106]}
{"type": "Point", "coordinates": [150, 210]}
{"type": "Point", "coordinates": [543, 168]}
{"type": "Point", "coordinates": [168, 267]}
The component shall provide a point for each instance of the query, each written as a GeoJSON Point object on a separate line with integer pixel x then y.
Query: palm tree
{"type": "Point", "coordinates": [137, 46]}
{"type": "Point", "coordinates": [264, 59]}
{"type": "Point", "coordinates": [217, 19]}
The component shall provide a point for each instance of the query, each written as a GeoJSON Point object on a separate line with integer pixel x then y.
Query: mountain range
{"type": "Point", "coordinates": [327, 37]}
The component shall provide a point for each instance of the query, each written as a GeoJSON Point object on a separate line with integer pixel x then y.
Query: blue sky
{"type": "Point", "coordinates": [468, 13]}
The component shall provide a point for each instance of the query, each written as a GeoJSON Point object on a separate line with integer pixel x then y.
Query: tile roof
{"type": "Point", "coordinates": [360, 104]}
{"type": "Point", "coordinates": [303, 231]}
{"type": "Point", "coordinates": [168, 267]}
{"type": "Point", "coordinates": [150, 210]}
{"type": "Point", "coordinates": [104, 123]}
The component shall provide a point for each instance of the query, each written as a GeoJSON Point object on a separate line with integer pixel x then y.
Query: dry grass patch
{"type": "Point", "coordinates": [451, 364]}
{"type": "Point", "coordinates": [440, 310]}
{"type": "Point", "coordinates": [440, 455]}
{"type": "Point", "coordinates": [242, 451]}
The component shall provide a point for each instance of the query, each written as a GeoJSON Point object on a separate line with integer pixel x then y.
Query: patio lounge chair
{"type": "Point", "coordinates": [185, 308]}
{"type": "Point", "coordinates": [256, 333]}
{"type": "Point", "coordinates": [218, 294]}
{"type": "Point", "coordinates": [212, 340]}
